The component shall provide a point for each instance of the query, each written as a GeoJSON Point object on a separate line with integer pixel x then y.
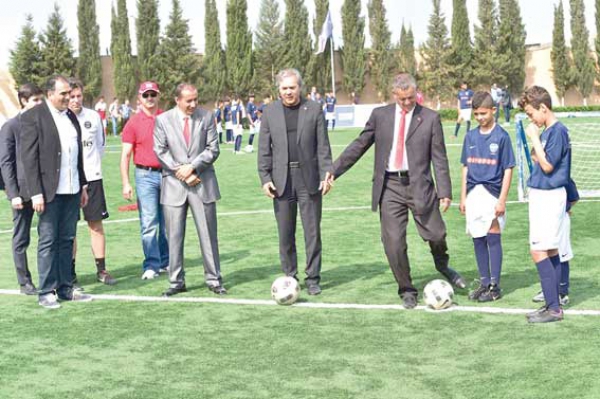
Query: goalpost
{"type": "Point", "coordinates": [585, 157]}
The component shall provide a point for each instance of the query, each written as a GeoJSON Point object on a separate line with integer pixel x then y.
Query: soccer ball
{"type": "Point", "coordinates": [438, 294]}
{"type": "Point", "coordinates": [285, 290]}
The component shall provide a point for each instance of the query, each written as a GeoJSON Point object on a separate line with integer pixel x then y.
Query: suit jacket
{"type": "Point", "coordinates": [172, 152]}
{"type": "Point", "coordinates": [40, 151]}
{"type": "Point", "coordinates": [424, 148]}
{"type": "Point", "coordinates": [314, 150]}
{"type": "Point", "coordinates": [11, 163]}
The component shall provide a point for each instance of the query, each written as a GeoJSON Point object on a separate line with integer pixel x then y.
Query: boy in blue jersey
{"type": "Point", "coordinates": [237, 114]}
{"type": "Point", "coordinates": [488, 160]}
{"type": "Point", "coordinates": [227, 119]}
{"type": "Point", "coordinates": [252, 113]}
{"type": "Point", "coordinates": [330, 102]}
{"type": "Point", "coordinates": [547, 196]}
{"type": "Point", "coordinates": [465, 96]}
{"type": "Point", "coordinates": [219, 119]}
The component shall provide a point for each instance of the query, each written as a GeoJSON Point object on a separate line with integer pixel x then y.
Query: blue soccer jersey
{"type": "Point", "coordinates": [465, 96]}
{"type": "Point", "coordinates": [330, 101]}
{"type": "Point", "coordinates": [572, 194]}
{"type": "Point", "coordinates": [251, 111]}
{"type": "Point", "coordinates": [227, 113]}
{"type": "Point", "coordinates": [486, 157]}
{"type": "Point", "coordinates": [218, 115]}
{"type": "Point", "coordinates": [236, 114]}
{"type": "Point", "coordinates": [556, 144]}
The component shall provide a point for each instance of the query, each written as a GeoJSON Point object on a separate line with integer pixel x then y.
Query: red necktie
{"type": "Point", "coordinates": [186, 130]}
{"type": "Point", "coordinates": [400, 144]}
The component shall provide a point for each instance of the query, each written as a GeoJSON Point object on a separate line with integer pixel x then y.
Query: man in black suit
{"type": "Point", "coordinates": [51, 150]}
{"type": "Point", "coordinates": [12, 172]}
{"type": "Point", "coordinates": [408, 140]}
{"type": "Point", "coordinates": [294, 166]}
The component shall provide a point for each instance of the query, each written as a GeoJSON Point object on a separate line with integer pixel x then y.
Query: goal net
{"type": "Point", "coordinates": [585, 157]}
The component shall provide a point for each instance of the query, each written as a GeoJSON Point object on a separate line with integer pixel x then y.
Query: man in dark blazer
{"type": "Point", "coordinates": [12, 172]}
{"type": "Point", "coordinates": [51, 151]}
{"type": "Point", "coordinates": [408, 140]}
{"type": "Point", "coordinates": [294, 165]}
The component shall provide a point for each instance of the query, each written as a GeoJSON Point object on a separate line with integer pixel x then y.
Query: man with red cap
{"type": "Point", "coordinates": [138, 139]}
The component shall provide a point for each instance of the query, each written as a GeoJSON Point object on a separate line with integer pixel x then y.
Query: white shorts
{"type": "Point", "coordinates": [229, 125]}
{"type": "Point", "coordinates": [546, 218]}
{"type": "Point", "coordinates": [254, 129]}
{"type": "Point", "coordinates": [219, 128]}
{"type": "Point", "coordinates": [465, 113]}
{"type": "Point", "coordinates": [330, 116]}
{"type": "Point", "coordinates": [238, 130]}
{"type": "Point", "coordinates": [481, 212]}
{"type": "Point", "coordinates": [564, 246]}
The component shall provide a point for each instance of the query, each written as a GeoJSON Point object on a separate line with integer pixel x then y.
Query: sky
{"type": "Point", "coordinates": [538, 16]}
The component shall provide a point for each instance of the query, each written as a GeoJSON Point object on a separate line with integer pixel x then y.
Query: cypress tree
{"type": "Point", "coordinates": [461, 57]}
{"type": "Point", "coordinates": [147, 26]}
{"type": "Point", "coordinates": [320, 64]}
{"type": "Point", "coordinates": [597, 41]}
{"type": "Point", "coordinates": [238, 54]}
{"type": "Point", "coordinates": [584, 70]}
{"type": "Point", "coordinates": [381, 48]}
{"type": "Point", "coordinates": [560, 57]}
{"type": "Point", "coordinates": [436, 71]}
{"type": "Point", "coordinates": [485, 67]}
{"type": "Point", "coordinates": [353, 51]}
{"type": "Point", "coordinates": [510, 46]}
{"type": "Point", "coordinates": [89, 67]}
{"type": "Point", "coordinates": [297, 50]}
{"type": "Point", "coordinates": [407, 51]}
{"type": "Point", "coordinates": [213, 64]}
{"type": "Point", "coordinates": [57, 50]}
{"type": "Point", "coordinates": [123, 71]}
{"type": "Point", "coordinates": [179, 62]}
{"type": "Point", "coordinates": [268, 45]}
{"type": "Point", "coordinates": [26, 58]}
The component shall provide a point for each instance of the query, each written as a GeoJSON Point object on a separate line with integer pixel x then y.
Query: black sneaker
{"type": "Point", "coordinates": [477, 292]}
{"type": "Point", "coordinates": [493, 293]}
{"type": "Point", "coordinates": [105, 278]}
{"type": "Point", "coordinates": [536, 312]}
{"type": "Point", "coordinates": [313, 289]}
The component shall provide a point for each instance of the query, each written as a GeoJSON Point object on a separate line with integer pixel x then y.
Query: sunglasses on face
{"type": "Point", "coordinates": [152, 94]}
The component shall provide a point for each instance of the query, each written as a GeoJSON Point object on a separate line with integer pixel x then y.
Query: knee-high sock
{"type": "Point", "coordinates": [221, 138]}
{"type": "Point", "coordinates": [482, 256]}
{"type": "Point", "coordinates": [495, 247]}
{"type": "Point", "coordinates": [251, 139]}
{"type": "Point", "coordinates": [563, 288]}
{"type": "Point", "coordinates": [333, 124]}
{"type": "Point", "coordinates": [238, 142]}
{"type": "Point", "coordinates": [557, 270]}
{"type": "Point", "coordinates": [549, 284]}
{"type": "Point", "coordinates": [468, 125]}
{"type": "Point", "coordinates": [456, 129]}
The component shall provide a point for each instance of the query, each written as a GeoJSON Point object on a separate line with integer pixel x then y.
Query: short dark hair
{"type": "Point", "coordinates": [51, 82]}
{"type": "Point", "coordinates": [75, 84]}
{"type": "Point", "coordinates": [535, 96]}
{"type": "Point", "coordinates": [482, 99]}
{"type": "Point", "coordinates": [184, 86]}
{"type": "Point", "coordinates": [26, 91]}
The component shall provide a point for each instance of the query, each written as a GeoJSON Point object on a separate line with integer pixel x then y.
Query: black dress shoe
{"type": "Point", "coordinates": [218, 289]}
{"type": "Point", "coordinates": [455, 279]}
{"type": "Point", "coordinates": [175, 290]}
{"type": "Point", "coordinates": [409, 300]}
{"type": "Point", "coordinates": [314, 289]}
{"type": "Point", "coordinates": [28, 289]}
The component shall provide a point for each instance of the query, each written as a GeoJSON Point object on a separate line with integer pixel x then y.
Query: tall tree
{"type": "Point", "coordinates": [408, 61]}
{"type": "Point", "coordinates": [461, 57]}
{"type": "Point", "coordinates": [57, 50]}
{"type": "Point", "coordinates": [179, 62]}
{"type": "Point", "coordinates": [123, 70]}
{"type": "Point", "coordinates": [89, 67]}
{"type": "Point", "coordinates": [320, 64]}
{"type": "Point", "coordinates": [213, 64]}
{"type": "Point", "coordinates": [353, 51]}
{"type": "Point", "coordinates": [268, 45]}
{"type": "Point", "coordinates": [561, 67]}
{"type": "Point", "coordinates": [147, 29]}
{"type": "Point", "coordinates": [435, 51]}
{"type": "Point", "coordinates": [26, 58]}
{"type": "Point", "coordinates": [238, 54]}
{"type": "Point", "coordinates": [584, 70]}
{"type": "Point", "coordinates": [380, 48]}
{"type": "Point", "coordinates": [510, 46]}
{"type": "Point", "coordinates": [597, 41]}
{"type": "Point", "coordinates": [297, 50]}
{"type": "Point", "coordinates": [486, 70]}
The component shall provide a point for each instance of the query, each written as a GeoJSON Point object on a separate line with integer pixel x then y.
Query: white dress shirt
{"type": "Point", "coordinates": [68, 180]}
{"type": "Point", "coordinates": [392, 156]}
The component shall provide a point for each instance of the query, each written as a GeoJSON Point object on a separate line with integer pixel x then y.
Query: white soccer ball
{"type": "Point", "coordinates": [438, 294]}
{"type": "Point", "coordinates": [285, 290]}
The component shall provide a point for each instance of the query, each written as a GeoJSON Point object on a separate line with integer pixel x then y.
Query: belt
{"type": "Point", "coordinates": [399, 173]}
{"type": "Point", "coordinates": [294, 164]}
{"type": "Point", "coordinates": [150, 168]}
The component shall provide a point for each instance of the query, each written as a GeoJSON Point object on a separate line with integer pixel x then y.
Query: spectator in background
{"type": "Point", "coordinates": [330, 102]}
{"type": "Point", "coordinates": [506, 104]}
{"type": "Point", "coordinates": [496, 93]}
{"type": "Point", "coordinates": [251, 112]}
{"type": "Point", "coordinates": [115, 115]}
{"type": "Point", "coordinates": [125, 111]}
{"type": "Point", "coordinates": [419, 97]}
{"type": "Point", "coordinates": [218, 112]}
{"type": "Point", "coordinates": [354, 98]}
{"type": "Point", "coordinates": [100, 107]}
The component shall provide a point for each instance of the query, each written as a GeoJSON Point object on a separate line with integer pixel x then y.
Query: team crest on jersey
{"type": "Point", "coordinates": [493, 148]}
{"type": "Point", "coordinates": [87, 124]}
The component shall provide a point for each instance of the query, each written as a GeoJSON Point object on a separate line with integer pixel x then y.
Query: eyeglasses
{"type": "Point", "coordinates": [152, 94]}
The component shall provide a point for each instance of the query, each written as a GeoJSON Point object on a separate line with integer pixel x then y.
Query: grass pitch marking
{"type": "Point", "coordinates": [317, 305]}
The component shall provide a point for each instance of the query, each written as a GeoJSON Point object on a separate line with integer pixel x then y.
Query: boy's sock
{"type": "Point", "coordinates": [221, 138]}
{"type": "Point", "coordinates": [548, 281]}
{"type": "Point", "coordinates": [468, 125]}
{"type": "Point", "coordinates": [495, 246]}
{"type": "Point", "coordinates": [563, 288]}
{"type": "Point", "coordinates": [333, 124]}
{"type": "Point", "coordinates": [557, 269]}
{"type": "Point", "coordinates": [483, 259]}
{"type": "Point", "coordinates": [238, 143]}
{"type": "Point", "coordinates": [456, 129]}
{"type": "Point", "coordinates": [251, 139]}
{"type": "Point", "coordinates": [100, 265]}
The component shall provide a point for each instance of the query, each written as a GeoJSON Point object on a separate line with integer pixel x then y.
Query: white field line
{"type": "Point", "coordinates": [270, 211]}
{"type": "Point", "coordinates": [314, 305]}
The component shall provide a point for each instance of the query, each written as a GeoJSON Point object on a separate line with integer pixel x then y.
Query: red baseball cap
{"type": "Point", "coordinates": [148, 86]}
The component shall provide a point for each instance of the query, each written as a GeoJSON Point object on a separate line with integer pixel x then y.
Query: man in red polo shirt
{"type": "Point", "coordinates": [138, 139]}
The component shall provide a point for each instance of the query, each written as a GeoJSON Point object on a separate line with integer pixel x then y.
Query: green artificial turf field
{"type": "Point", "coordinates": [135, 349]}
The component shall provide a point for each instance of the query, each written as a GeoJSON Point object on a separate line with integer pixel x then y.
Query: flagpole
{"type": "Point", "coordinates": [332, 66]}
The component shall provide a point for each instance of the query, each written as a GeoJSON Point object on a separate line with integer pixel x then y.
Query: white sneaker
{"type": "Point", "coordinates": [249, 148]}
{"type": "Point", "coordinates": [149, 275]}
{"type": "Point", "coordinates": [539, 297]}
{"type": "Point", "coordinates": [163, 270]}
{"type": "Point", "coordinates": [79, 296]}
{"type": "Point", "coordinates": [563, 299]}
{"type": "Point", "coordinates": [49, 301]}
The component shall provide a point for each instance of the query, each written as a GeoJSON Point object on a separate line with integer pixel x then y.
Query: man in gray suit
{"type": "Point", "coordinates": [187, 145]}
{"type": "Point", "coordinates": [294, 166]}
{"type": "Point", "coordinates": [408, 140]}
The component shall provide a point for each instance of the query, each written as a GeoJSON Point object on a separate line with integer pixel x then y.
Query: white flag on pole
{"type": "Point", "coordinates": [326, 32]}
